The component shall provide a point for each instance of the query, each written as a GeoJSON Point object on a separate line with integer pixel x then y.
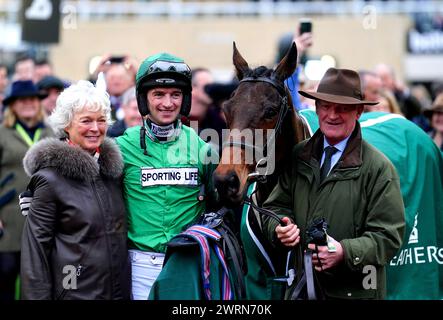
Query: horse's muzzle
{"type": "Point", "coordinates": [227, 186]}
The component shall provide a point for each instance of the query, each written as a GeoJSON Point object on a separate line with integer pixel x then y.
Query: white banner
{"type": "Point", "coordinates": [169, 176]}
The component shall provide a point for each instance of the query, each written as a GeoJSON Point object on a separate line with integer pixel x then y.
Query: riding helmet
{"type": "Point", "coordinates": [163, 70]}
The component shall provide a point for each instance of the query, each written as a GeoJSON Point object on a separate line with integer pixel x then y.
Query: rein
{"type": "Point", "coordinates": [271, 214]}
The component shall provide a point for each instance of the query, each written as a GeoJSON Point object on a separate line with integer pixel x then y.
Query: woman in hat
{"type": "Point", "coordinates": [435, 115]}
{"type": "Point", "coordinates": [74, 238]}
{"type": "Point", "coordinates": [22, 126]}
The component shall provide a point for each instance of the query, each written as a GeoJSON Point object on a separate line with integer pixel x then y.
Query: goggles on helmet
{"type": "Point", "coordinates": [167, 66]}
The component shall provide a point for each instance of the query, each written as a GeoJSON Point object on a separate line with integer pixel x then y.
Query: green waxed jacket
{"type": "Point", "coordinates": [161, 188]}
{"type": "Point", "coordinates": [12, 150]}
{"type": "Point", "coordinates": [361, 202]}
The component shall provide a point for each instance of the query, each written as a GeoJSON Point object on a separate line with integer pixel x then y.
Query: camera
{"type": "Point", "coordinates": [316, 233]}
{"type": "Point", "coordinates": [305, 25]}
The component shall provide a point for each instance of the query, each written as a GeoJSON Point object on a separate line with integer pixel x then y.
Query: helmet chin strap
{"type": "Point", "coordinates": [143, 137]}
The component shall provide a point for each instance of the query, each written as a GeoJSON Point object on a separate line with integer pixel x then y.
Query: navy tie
{"type": "Point", "coordinates": [329, 152]}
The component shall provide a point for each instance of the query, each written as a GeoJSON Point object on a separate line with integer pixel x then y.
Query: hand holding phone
{"type": "Point", "coordinates": [305, 26]}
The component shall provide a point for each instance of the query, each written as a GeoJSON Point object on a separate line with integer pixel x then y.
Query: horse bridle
{"type": "Point", "coordinates": [283, 110]}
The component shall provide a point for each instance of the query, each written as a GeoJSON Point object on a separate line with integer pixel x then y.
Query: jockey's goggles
{"type": "Point", "coordinates": [167, 66]}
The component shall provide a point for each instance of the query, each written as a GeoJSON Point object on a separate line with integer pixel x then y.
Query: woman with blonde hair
{"type": "Point", "coordinates": [387, 103]}
{"type": "Point", "coordinates": [23, 125]}
{"type": "Point", "coordinates": [74, 239]}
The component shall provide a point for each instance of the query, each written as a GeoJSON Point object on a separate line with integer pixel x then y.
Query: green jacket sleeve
{"type": "Point", "coordinates": [384, 225]}
{"type": "Point", "coordinates": [210, 162]}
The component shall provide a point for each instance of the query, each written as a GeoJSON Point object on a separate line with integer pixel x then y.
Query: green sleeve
{"type": "Point", "coordinates": [210, 160]}
{"type": "Point", "coordinates": [385, 225]}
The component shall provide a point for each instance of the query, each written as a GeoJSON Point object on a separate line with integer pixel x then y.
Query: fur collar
{"type": "Point", "coordinates": [73, 162]}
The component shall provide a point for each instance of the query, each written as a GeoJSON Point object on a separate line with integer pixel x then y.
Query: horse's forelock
{"type": "Point", "coordinates": [261, 71]}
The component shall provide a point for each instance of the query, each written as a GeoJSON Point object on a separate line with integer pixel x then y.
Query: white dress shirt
{"type": "Point", "coordinates": [334, 159]}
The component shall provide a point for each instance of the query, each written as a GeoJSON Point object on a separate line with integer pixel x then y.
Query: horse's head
{"type": "Point", "coordinates": [262, 125]}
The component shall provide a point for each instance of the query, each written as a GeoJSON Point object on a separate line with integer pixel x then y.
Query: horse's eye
{"type": "Point", "coordinates": [270, 113]}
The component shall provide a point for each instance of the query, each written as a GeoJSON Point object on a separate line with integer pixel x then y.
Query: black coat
{"type": "Point", "coordinates": [77, 221]}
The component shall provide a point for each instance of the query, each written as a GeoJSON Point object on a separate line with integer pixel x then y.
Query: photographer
{"type": "Point", "coordinates": [119, 75]}
{"type": "Point", "coordinates": [303, 38]}
{"type": "Point", "coordinates": [340, 177]}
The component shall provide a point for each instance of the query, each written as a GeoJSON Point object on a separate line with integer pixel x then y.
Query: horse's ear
{"type": "Point", "coordinates": [287, 65]}
{"type": "Point", "coordinates": [241, 66]}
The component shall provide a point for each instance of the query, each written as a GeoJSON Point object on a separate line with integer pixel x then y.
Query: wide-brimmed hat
{"type": "Point", "coordinates": [339, 86]}
{"type": "Point", "coordinates": [23, 89]}
{"type": "Point", "coordinates": [437, 106]}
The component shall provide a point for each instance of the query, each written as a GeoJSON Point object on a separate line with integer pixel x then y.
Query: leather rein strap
{"type": "Point", "coordinates": [307, 279]}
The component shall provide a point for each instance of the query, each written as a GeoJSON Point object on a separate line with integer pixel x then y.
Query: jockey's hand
{"type": "Point", "coordinates": [324, 258]}
{"type": "Point", "coordinates": [289, 235]}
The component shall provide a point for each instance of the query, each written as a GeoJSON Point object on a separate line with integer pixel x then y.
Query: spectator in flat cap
{"type": "Point", "coordinates": [52, 86]}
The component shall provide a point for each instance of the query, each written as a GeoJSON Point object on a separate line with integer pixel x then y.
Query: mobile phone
{"type": "Point", "coordinates": [305, 25]}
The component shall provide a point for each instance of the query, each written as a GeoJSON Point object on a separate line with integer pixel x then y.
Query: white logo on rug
{"type": "Point", "coordinates": [413, 237]}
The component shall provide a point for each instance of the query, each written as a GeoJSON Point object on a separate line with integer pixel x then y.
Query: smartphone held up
{"type": "Point", "coordinates": [305, 25]}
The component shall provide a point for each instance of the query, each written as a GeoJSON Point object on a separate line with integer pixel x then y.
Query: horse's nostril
{"type": "Point", "coordinates": [233, 183]}
{"type": "Point", "coordinates": [227, 185]}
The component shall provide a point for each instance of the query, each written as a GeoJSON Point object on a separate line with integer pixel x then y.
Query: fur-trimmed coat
{"type": "Point", "coordinates": [74, 238]}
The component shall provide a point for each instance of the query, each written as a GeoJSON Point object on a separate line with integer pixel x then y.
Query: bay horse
{"type": "Point", "coordinates": [260, 104]}
{"type": "Point", "coordinates": [250, 164]}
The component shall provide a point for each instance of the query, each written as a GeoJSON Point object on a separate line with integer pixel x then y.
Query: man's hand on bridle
{"type": "Point", "coordinates": [289, 235]}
